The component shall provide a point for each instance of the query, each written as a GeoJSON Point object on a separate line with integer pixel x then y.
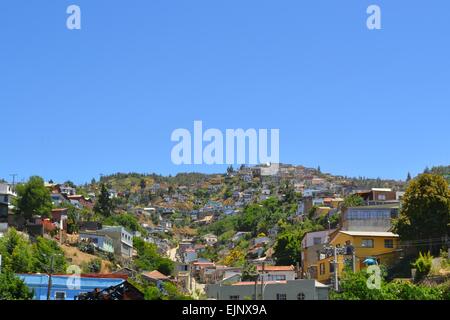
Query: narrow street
{"type": "Point", "coordinates": [196, 289]}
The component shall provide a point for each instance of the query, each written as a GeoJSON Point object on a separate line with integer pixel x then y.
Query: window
{"type": "Point", "coordinates": [234, 297]}
{"type": "Point", "coordinates": [317, 240]}
{"type": "Point", "coordinates": [60, 295]}
{"type": "Point", "coordinates": [388, 243]}
{"type": "Point", "coordinates": [382, 197]}
{"type": "Point", "coordinates": [322, 268]}
{"type": "Point", "coordinates": [281, 296]}
{"type": "Point", "coordinates": [276, 277]}
{"type": "Point", "coordinates": [367, 243]}
{"type": "Point", "coordinates": [331, 267]}
{"type": "Point", "coordinates": [301, 296]}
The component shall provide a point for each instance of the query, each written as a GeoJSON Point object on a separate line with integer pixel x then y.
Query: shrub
{"type": "Point", "coordinates": [93, 266]}
{"type": "Point", "coordinates": [423, 265]}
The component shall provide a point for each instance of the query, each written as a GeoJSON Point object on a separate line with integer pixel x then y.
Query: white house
{"type": "Point", "coordinates": [7, 193]}
{"type": "Point", "coordinates": [67, 190]}
{"type": "Point", "coordinates": [301, 289]}
{"type": "Point", "coordinates": [210, 239]}
{"type": "Point", "coordinates": [122, 240]}
{"type": "Point", "coordinates": [276, 273]}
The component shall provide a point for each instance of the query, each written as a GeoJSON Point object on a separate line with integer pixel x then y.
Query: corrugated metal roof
{"type": "Point", "coordinates": [370, 233]}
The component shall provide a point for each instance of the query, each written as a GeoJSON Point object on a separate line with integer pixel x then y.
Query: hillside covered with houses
{"type": "Point", "coordinates": [299, 234]}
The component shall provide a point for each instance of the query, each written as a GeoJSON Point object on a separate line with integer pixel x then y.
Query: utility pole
{"type": "Point", "coordinates": [335, 252]}
{"type": "Point", "coordinates": [354, 260]}
{"type": "Point", "coordinates": [14, 175]}
{"type": "Point", "coordinates": [256, 287]}
{"type": "Point", "coordinates": [336, 282]}
{"type": "Point", "coordinates": [49, 288]}
{"type": "Point", "coordinates": [61, 228]}
{"type": "Point", "coordinates": [262, 280]}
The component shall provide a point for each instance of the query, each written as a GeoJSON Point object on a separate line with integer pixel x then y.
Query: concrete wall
{"type": "Point", "coordinates": [381, 225]}
{"type": "Point", "coordinates": [291, 289]}
{"type": "Point", "coordinates": [122, 240]}
{"type": "Point", "coordinates": [364, 219]}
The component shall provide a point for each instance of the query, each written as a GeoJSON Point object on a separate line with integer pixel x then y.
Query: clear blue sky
{"type": "Point", "coordinates": [106, 98]}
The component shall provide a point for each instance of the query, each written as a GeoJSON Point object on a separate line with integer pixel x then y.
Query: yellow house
{"type": "Point", "coordinates": [382, 246]}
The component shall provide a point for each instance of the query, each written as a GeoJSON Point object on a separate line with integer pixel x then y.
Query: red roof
{"type": "Point", "coordinates": [204, 263]}
{"type": "Point", "coordinates": [276, 268]}
{"type": "Point", "coordinates": [98, 275]}
{"type": "Point", "coordinates": [252, 283]}
{"type": "Point", "coordinates": [155, 274]}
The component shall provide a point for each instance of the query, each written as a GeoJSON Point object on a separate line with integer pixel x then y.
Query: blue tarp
{"type": "Point", "coordinates": [370, 261]}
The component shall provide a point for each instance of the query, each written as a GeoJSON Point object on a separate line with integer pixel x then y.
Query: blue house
{"type": "Point", "coordinates": [66, 287]}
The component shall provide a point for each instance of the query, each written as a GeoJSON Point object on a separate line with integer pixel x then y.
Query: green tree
{"type": "Point", "coordinates": [288, 191]}
{"type": "Point", "coordinates": [287, 249]}
{"type": "Point", "coordinates": [165, 266]}
{"type": "Point", "coordinates": [17, 253]}
{"type": "Point", "coordinates": [261, 217]}
{"type": "Point", "coordinates": [352, 200]}
{"type": "Point", "coordinates": [149, 259]}
{"type": "Point", "coordinates": [249, 272]}
{"type": "Point", "coordinates": [13, 288]}
{"type": "Point", "coordinates": [70, 184]}
{"type": "Point", "coordinates": [209, 253]}
{"type": "Point", "coordinates": [228, 193]}
{"type": "Point", "coordinates": [312, 212]}
{"type": "Point", "coordinates": [408, 177]}
{"type": "Point", "coordinates": [73, 218]}
{"type": "Point", "coordinates": [171, 292]}
{"type": "Point", "coordinates": [425, 211]}
{"type": "Point", "coordinates": [86, 214]}
{"type": "Point", "coordinates": [104, 205]}
{"type": "Point", "coordinates": [126, 220]}
{"type": "Point", "coordinates": [44, 251]}
{"type": "Point", "coordinates": [33, 198]}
